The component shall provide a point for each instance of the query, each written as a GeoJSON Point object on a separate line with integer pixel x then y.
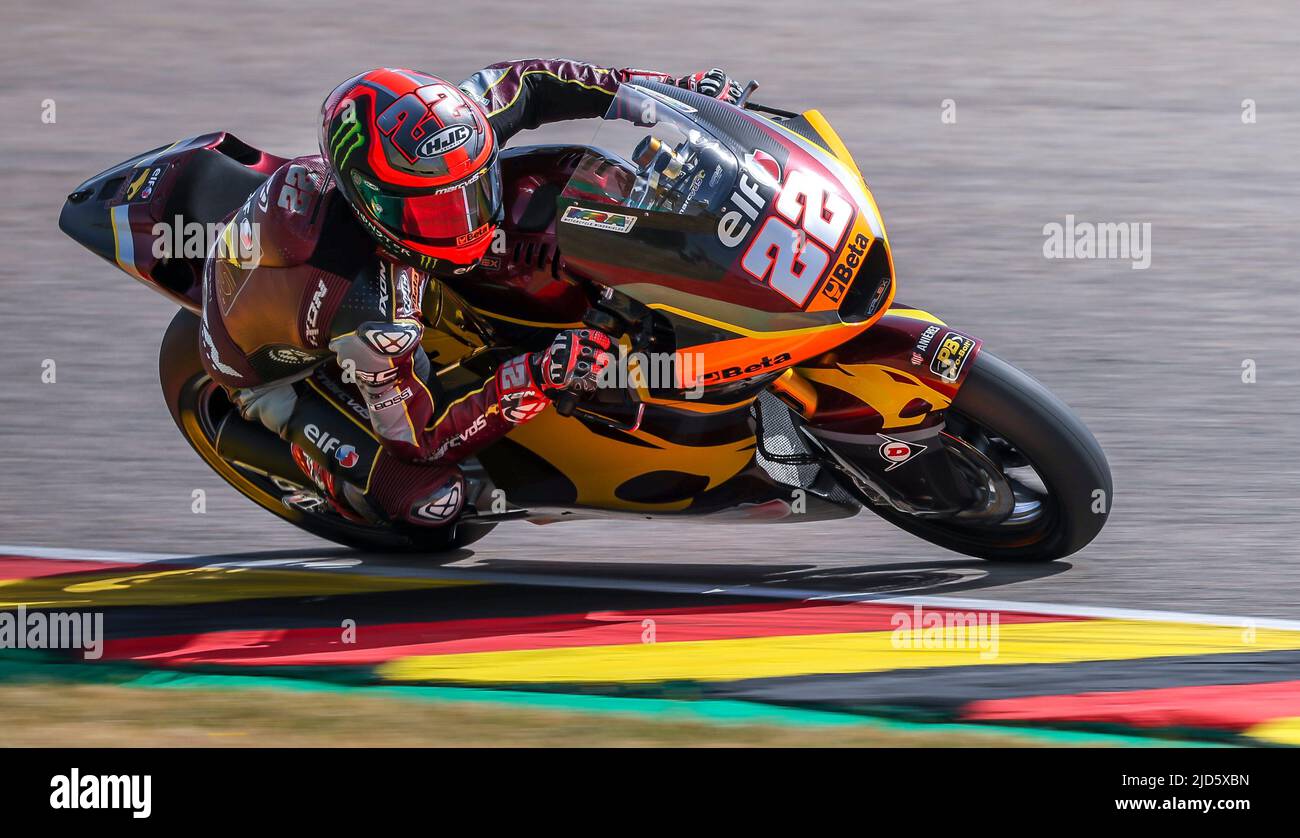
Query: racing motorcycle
{"type": "Point", "coordinates": [738, 242]}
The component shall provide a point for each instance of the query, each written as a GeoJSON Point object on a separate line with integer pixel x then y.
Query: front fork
{"type": "Point", "coordinates": [874, 409]}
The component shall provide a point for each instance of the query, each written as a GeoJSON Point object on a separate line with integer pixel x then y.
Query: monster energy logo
{"type": "Point", "coordinates": [347, 138]}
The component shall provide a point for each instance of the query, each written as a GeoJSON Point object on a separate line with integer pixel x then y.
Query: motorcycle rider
{"type": "Point", "coordinates": [406, 190]}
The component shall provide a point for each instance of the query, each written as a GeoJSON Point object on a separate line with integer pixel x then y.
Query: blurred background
{"type": "Point", "coordinates": [1112, 112]}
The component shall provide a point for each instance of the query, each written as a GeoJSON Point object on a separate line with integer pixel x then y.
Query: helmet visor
{"type": "Point", "coordinates": [450, 217]}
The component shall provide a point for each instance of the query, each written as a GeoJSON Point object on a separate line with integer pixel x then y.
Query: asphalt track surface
{"type": "Point", "coordinates": [776, 654]}
{"type": "Point", "coordinates": [1109, 111]}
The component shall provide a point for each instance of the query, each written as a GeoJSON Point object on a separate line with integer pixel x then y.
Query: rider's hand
{"type": "Point", "coordinates": [574, 361]}
{"type": "Point", "coordinates": [714, 83]}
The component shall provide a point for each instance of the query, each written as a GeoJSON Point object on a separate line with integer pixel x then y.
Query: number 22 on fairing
{"type": "Point", "coordinates": [788, 251]}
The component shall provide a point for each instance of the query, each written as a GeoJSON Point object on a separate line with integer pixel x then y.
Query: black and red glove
{"type": "Point", "coordinates": [574, 362]}
{"type": "Point", "coordinates": [714, 83]}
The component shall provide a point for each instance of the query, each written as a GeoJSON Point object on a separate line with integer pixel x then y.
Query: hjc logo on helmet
{"type": "Point", "coordinates": [448, 139]}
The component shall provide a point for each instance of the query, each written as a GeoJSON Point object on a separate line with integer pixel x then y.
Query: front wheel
{"type": "Point", "coordinates": [1027, 443]}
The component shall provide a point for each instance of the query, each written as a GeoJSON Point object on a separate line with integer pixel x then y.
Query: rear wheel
{"type": "Point", "coordinates": [1044, 480]}
{"type": "Point", "coordinates": [199, 407]}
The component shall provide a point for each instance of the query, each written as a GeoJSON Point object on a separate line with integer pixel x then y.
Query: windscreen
{"type": "Point", "coordinates": [654, 156]}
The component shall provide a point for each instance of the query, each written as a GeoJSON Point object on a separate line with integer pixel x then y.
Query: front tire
{"type": "Point", "coordinates": [1005, 405]}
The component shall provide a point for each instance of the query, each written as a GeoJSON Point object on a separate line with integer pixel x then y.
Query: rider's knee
{"type": "Point", "coordinates": [429, 496]}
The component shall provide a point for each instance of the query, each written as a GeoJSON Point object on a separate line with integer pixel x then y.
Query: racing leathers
{"type": "Point", "coordinates": [317, 290]}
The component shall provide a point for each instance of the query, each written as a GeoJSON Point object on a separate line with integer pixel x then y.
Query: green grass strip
{"type": "Point", "coordinates": [37, 667]}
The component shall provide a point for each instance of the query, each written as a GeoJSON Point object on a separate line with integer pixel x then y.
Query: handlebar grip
{"type": "Point", "coordinates": [565, 403]}
{"type": "Point", "coordinates": [603, 321]}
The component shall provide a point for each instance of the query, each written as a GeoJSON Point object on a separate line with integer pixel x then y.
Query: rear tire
{"type": "Point", "coordinates": [1061, 450]}
{"type": "Point", "coordinates": [191, 393]}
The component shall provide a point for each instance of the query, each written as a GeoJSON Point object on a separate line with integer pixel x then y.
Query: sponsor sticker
{"type": "Point", "coordinates": [378, 379]}
{"type": "Point", "coordinates": [311, 330]}
{"type": "Point", "coordinates": [448, 139]}
{"type": "Point", "coordinates": [951, 356]}
{"type": "Point", "coordinates": [896, 451]}
{"type": "Point", "coordinates": [396, 398]}
{"type": "Point", "coordinates": [442, 507]}
{"type": "Point", "coordinates": [143, 183]}
{"type": "Point", "coordinates": [735, 372]}
{"type": "Point", "coordinates": [290, 355]}
{"type": "Point", "coordinates": [599, 219]}
{"type": "Point", "coordinates": [337, 390]}
{"type": "Point", "coordinates": [473, 235]}
{"type": "Point", "coordinates": [347, 456]}
{"type": "Point", "coordinates": [392, 341]}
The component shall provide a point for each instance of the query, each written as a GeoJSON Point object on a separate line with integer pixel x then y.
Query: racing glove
{"type": "Point", "coordinates": [573, 363]}
{"type": "Point", "coordinates": [714, 83]}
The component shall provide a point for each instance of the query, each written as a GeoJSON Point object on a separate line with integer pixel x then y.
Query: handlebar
{"type": "Point", "coordinates": [744, 102]}
{"type": "Point", "coordinates": [566, 404]}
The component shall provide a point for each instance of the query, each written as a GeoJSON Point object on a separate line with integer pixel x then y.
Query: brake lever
{"type": "Point", "coordinates": [634, 426]}
{"type": "Point", "coordinates": [566, 404]}
{"type": "Point", "coordinates": [747, 92]}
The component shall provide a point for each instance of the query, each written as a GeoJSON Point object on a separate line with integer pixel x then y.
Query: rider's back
{"type": "Point", "coordinates": [279, 275]}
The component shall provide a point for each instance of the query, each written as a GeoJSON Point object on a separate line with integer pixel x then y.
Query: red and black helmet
{"type": "Point", "coordinates": [417, 160]}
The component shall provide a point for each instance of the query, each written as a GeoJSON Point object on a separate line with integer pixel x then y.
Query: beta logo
{"type": "Point", "coordinates": [896, 451]}
{"type": "Point", "coordinates": [735, 372]}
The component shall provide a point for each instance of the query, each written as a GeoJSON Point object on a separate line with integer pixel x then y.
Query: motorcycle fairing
{"type": "Point", "coordinates": [881, 398]}
{"type": "Point", "coordinates": [722, 262]}
{"type": "Point", "coordinates": [679, 462]}
{"type": "Point", "coordinates": [900, 375]}
{"type": "Point", "coordinates": [199, 180]}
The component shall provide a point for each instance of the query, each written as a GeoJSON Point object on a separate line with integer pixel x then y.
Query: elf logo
{"type": "Point", "coordinates": [324, 441]}
{"type": "Point", "coordinates": [743, 209]}
{"type": "Point", "coordinates": [746, 203]}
